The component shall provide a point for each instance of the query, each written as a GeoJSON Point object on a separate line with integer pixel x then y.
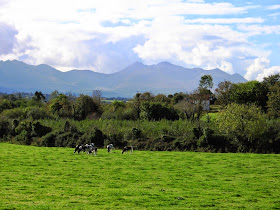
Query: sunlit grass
{"type": "Point", "coordinates": [55, 178]}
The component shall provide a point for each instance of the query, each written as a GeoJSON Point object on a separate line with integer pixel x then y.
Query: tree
{"type": "Point", "coordinates": [38, 96]}
{"type": "Point", "coordinates": [223, 92]}
{"type": "Point", "coordinates": [136, 103]}
{"type": "Point", "coordinates": [271, 80]}
{"type": "Point", "coordinates": [252, 92]}
{"type": "Point", "coordinates": [204, 88]}
{"type": "Point", "coordinates": [97, 96]}
{"type": "Point", "coordinates": [273, 102]}
{"type": "Point", "coordinates": [84, 105]}
{"type": "Point", "coordinates": [161, 98]}
{"type": "Point", "coordinates": [206, 82]}
{"type": "Point", "coordinates": [178, 97]}
{"type": "Point", "coordinates": [118, 105]}
{"type": "Point", "coordinates": [157, 111]}
{"type": "Point", "coordinates": [244, 124]}
{"type": "Point", "coordinates": [147, 96]}
{"type": "Point", "coordinates": [54, 94]}
{"type": "Point", "coordinates": [61, 106]}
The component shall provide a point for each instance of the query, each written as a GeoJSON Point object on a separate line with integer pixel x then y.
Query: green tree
{"type": "Point", "coordinates": [271, 80]}
{"type": "Point", "coordinates": [177, 97]}
{"type": "Point", "coordinates": [118, 105]}
{"type": "Point", "coordinates": [54, 94]}
{"type": "Point", "coordinates": [223, 92]}
{"type": "Point", "coordinates": [61, 106]}
{"type": "Point", "coordinates": [252, 92]}
{"type": "Point", "coordinates": [161, 98]}
{"type": "Point", "coordinates": [206, 82]}
{"type": "Point", "coordinates": [38, 96]}
{"type": "Point", "coordinates": [244, 124]}
{"type": "Point", "coordinates": [85, 105]}
{"type": "Point", "coordinates": [157, 111]}
{"type": "Point", "coordinates": [204, 89]}
{"type": "Point", "coordinates": [273, 102]}
{"type": "Point", "coordinates": [5, 104]}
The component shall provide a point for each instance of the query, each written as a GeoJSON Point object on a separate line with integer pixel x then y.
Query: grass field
{"type": "Point", "coordinates": [55, 178]}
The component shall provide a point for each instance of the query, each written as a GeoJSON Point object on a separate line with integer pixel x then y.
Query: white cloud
{"type": "Point", "coordinates": [273, 7]}
{"type": "Point", "coordinates": [260, 69]}
{"type": "Point", "coordinates": [268, 72]}
{"type": "Point", "coordinates": [71, 34]}
{"type": "Point", "coordinates": [253, 30]}
{"type": "Point", "coordinates": [226, 66]}
{"type": "Point", "coordinates": [274, 14]}
{"type": "Point", "coordinates": [256, 68]}
{"type": "Point", "coordinates": [225, 20]}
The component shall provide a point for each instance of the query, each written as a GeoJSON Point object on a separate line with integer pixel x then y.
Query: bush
{"type": "Point", "coordinates": [37, 113]}
{"type": "Point", "coordinates": [40, 130]}
{"type": "Point", "coordinates": [16, 113]}
{"type": "Point", "coordinates": [157, 111]}
{"type": "Point", "coordinates": [49, 139]}
{"type": "Point", "coordinates": [93, 136]}
{"type": "Point", "coordinates": [4, 128]}
{"type": "Point", "coordinates": [244, 125]}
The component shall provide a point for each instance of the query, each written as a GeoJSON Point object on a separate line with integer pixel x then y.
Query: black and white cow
{"type": "Point", "coordinates": [127, 149]}
{"type": "Point", "coordinates": [92, 150]}
{"type": "Point", "coordinates": [110, 147]}
{"type": "Point", "coordinates": [78, 148]}
{"type": "Point", "coordinates": [84, 148]}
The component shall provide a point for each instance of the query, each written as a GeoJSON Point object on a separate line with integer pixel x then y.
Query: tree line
{"type": "Point", "coordinates": [241, 117]}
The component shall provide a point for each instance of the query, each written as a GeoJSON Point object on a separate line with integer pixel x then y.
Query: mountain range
{"type": "Point", "coordinates": [166, 78]}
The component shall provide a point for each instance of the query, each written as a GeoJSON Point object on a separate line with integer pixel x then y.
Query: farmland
{"type": "Point", "coordinates": [55, 178]}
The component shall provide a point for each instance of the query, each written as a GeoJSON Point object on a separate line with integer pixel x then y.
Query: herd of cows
{"type": "Point", "coordinates": [91, 149]}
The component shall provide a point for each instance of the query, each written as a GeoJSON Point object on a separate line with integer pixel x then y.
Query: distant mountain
{"type": "Point", "coordinates": [166, 78]}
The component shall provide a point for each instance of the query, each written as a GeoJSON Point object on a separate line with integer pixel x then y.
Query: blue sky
{"type": "Point", "coordinates": [105, 36]}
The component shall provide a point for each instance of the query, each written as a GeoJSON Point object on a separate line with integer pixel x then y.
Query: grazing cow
{"type": "Point", "coordinates": [110, 147]}
{"type": "Point", "coordinates": [78, 148]}
{"type": "Point", "coordinates": [88, 147]}
{"type": "Point", "coordinates": [92, 150]}
{"type": "Point", "coordinates": [83, 148]}
{"type": "Point", "coordinates": [127, 149]}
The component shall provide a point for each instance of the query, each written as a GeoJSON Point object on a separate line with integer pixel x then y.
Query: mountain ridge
{"type": "Point", "coordinates": [163, 77]}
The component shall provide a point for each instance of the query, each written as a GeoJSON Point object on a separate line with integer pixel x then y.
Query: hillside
{"type": "Point", "coordinates": [16, 76]}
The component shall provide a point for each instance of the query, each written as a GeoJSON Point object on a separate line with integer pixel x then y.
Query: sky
{"type": "Point", "coordinates": [237, 36]}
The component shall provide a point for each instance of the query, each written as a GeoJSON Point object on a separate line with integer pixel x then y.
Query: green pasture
{"type": "Point", "coordinates": [55, 178]}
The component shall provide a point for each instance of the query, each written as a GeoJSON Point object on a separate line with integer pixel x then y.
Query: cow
{"type": "Point", "coordinates": [78, 148]}
{"type": "Point", "coordinates": [127, 149]}
{"type": "Point", "coordinates": [88, 147]}
{"type": "Point", "coordinates": [110, 147]}
{"type": "Point", "coordinates": [92, 150]}
{"type": "Point", "coordinates": [84, 148]}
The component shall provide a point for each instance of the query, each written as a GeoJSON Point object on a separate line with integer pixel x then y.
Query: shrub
{"type": "Point", "coordinates": [16, 113]}
{"type": "Point", "coordinates": [49, 139]}
{"type": "Point", "coordinates": [157, 111]}
{"type": "Point", "coordinates": [36, 113]}
{"type": "Point", "coordinates": [40, 130]}
{"type": "Point", "coordinates": [93, 136]}
{"type": "Point", "coordinates": [245, 125]}
{"type": "Point", "coordinates": [4, 128]}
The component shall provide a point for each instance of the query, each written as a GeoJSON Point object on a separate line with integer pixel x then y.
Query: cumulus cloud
{"type": "Point", "coordinates": [260, 69]}
{"type": "Point", "coordinates": [107, 35]}
{"type": "Point", "coordinates": [268, 72]}
{"type": "Point", "coordinates": [256, 68]}
{"type": "Point", "coordinates": [7, 38]}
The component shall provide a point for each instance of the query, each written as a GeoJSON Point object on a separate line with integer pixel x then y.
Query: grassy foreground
{"type": "Point", "coordinates": [55, 178]}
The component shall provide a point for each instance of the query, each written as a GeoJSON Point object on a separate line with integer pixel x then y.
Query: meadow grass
{"type": "Point", "coordinates": [56, 178]}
